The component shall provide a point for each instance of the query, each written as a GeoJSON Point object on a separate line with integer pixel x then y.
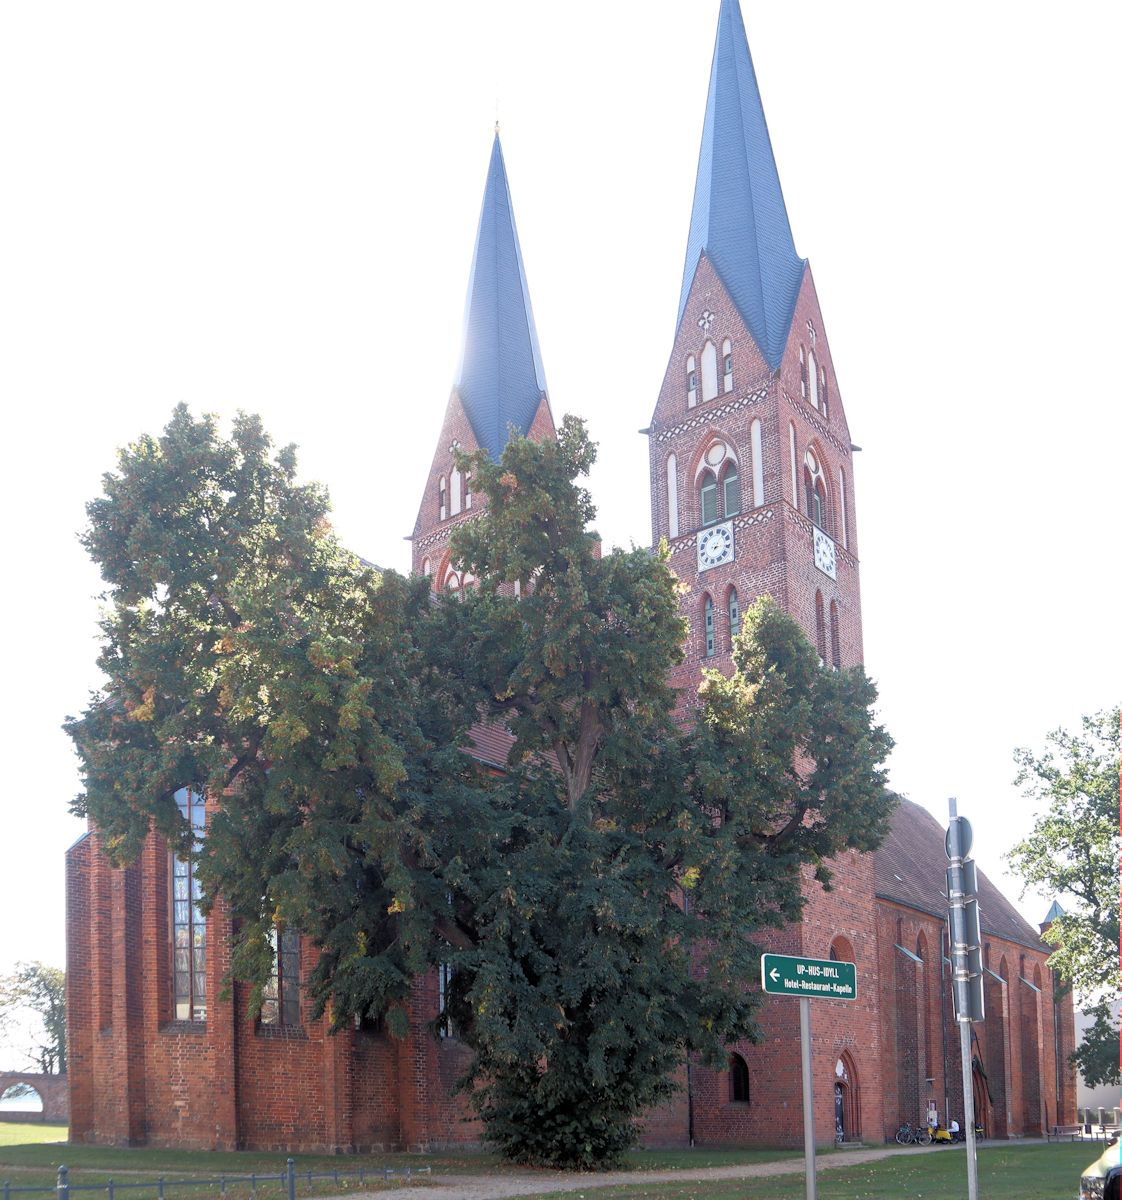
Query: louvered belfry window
{"type": "Point", "coordinates": [188, 930]}
{"type": "Point", "coordinates": [710, 632]}
{"type": "Point", "coordinates": [708, 499]}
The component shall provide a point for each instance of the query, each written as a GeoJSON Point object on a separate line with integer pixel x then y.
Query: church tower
{"type": "Point", "coordinates": [750, 455]}
{"type": "Point", "coordinates": [752, 488]}
{"type": "Point", "coordinates": [499, 383]}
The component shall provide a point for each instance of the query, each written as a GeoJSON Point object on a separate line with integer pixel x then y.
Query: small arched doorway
{"type": "Point", "coordinates": [847, 1101]}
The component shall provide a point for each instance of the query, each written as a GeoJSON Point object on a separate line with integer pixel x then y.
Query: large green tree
{"type": "Point", "coordinates": [594, 900]}
{"type": "Point", "coordinates": [38, 989]}
{"type": "Point", "coordinates": [1073, 852]}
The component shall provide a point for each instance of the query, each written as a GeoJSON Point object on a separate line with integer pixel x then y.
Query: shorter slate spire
{"type": "Point", "coordinates": [739, 219]}
{"type": "Point", "coordinates": [500, 379]}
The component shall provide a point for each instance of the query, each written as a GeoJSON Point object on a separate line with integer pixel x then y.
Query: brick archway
{"type": "Point", "coordinates": [53, 1091]}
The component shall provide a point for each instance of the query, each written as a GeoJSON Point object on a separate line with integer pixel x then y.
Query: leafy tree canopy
{"type": "Point", "coordinates": [595, 899]}
{"type": "Point", "coordinates": [1073, 852]}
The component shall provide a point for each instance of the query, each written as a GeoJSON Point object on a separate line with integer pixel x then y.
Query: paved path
{"type": "Point", "coordinates": [505, 1187]}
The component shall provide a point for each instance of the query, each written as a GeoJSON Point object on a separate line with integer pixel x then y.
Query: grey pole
{"type": "Point", "coordinates": [968, 1116]}
{"type": "Point", "coordinates": [808, 1101]}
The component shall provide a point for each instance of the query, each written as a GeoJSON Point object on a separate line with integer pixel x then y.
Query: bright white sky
{"type": "Point", "coordinates": [272, 206]}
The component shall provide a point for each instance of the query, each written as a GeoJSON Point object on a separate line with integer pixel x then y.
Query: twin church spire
{"type": "Point", "coordinates": [500, 378]}
{"type": "Point", "coordinates": [739, 219]}
{"type": "Point", "coordinates": [739, 222]}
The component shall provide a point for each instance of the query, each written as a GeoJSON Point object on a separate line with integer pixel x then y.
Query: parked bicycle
{"type": "Point", "coordinates": [913, 1135]}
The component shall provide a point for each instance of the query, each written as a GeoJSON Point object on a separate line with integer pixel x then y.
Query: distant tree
{"type": "Point", "coordinates": [1073, 852]}
{"type": "Point", "coordinates": [39, 989]}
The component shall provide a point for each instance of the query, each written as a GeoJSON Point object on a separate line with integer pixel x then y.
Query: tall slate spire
{"type": "Point", "coordinates": [500, 378]}
{"type": "Point", "coordinates": [739, 219]}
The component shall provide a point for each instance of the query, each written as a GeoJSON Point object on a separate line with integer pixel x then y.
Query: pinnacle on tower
{"type": "Point", "coordinates": [500, 379]}
{"type": "Point", "coordinates": [739, 219]}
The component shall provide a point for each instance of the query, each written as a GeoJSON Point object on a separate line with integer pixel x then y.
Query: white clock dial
{"type": "Point", "coordinates": [825, 554]}
{"type": "Point", "coordinates": [714, 546]}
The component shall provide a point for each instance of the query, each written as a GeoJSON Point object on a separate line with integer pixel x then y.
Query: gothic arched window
{"type": "Point", "coordinates": [718, 483]}
{"type": "Point", "coordinates": [820, 626]}
{"type": "Point", "coordinates": [835, 637]}
{"type": "Point", "coordinates": [730, 490]}
{"type": "Point", "coordinates": [691, 381]}
{"type": "Point", "coordinates": [442, 493]}
{"type": "Point", "coordinates": [726, 364]}
{"type": "Point", "coordinates": [708, 496]}
{"type": "Point", "coordinates": [734, 613]}
{"type": "Point", "coordinates": [812, 378]}
{"type": "Point", "coordinates": [708, 371]}
{"type": "Point", "coordinates": [710, 630]}
{"type": "Point", "coordinates": [814, 486]}
{"type": "Point", "coordinates": [188, 924]}
{"type": "Point", "coordinates": [738, 1080]}
{"type": "Point", "coordinates": [672, 494]}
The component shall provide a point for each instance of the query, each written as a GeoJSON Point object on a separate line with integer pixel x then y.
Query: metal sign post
{"type": "Point", "coordinates": [808, 978]}
{"type": "Point", "coordinates": [966, 959]}
{"type": "Point", "coordinates": [808, 1102]}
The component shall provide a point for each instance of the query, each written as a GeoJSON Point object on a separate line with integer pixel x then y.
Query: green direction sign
{"type": "Point", "coordinates": [808, 978]}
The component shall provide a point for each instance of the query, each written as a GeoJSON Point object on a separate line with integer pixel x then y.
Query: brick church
{"type": "Point", "coordinates": [752, 486]}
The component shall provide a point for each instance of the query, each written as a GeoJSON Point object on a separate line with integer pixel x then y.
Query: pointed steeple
{"type": "Point", "coordinates": [739, 219]}
{"type": "Point", "coordinates": [500, 378]}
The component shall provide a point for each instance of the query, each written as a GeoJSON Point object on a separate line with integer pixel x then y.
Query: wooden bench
{"type": "Point", "coordinates": [1070, 1133]}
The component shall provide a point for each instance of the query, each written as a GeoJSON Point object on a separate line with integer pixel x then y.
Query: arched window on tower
{"type": "Point", "coordinates": [691, 381]}
{"type": "Point", "coordinates": [426, 566]}
{"type": "Point", "coordinates": [456, 481]}
{"type": "Point", "coordinates": [823, 393]}
{"type": "Point", "coordinates": [820, 627]}
{"type": "Point", "coordinates": [802, 372]}
{"type": "Point", "coordinates": [730, 490]}
{"type": "Point", "coordinates": [835, 637]}
{"type": "Point", "coordinates": [844, 522]}
{"type": "Point", "coordinates": [814, 487]}
{"type": "Point", "coordinates": [726, 363]}
{"type": "Point", "coordinates": [734, 614]}
{"type": "Point", "coordinates": [710, 630]}
{"type": "Point", "coordinates": [812, 378]}
{"type": "Point", "coordinates": [708, 496]}
{"type": "Point", "coordinates": [467, 490]}
{"type": "Point", "coordinates": [672, 495]}
{"type": "Point", "coordinates": [708, 371]}
{"type": "Point", "coordinates": [757, 435]}
{"type": "Point", "coordinates": [738, 1080]}
{"type": "Point", "coordinates": [442, 492]}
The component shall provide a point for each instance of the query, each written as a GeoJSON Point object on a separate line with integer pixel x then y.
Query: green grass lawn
{"type": "Point", "coordinates": [20, 1133]}
{"type": "Point", "coordinates": [1005, 1172]}
{"type": "Point", "coordinates": [31, 1153]}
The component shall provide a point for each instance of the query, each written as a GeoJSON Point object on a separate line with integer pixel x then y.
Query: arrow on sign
{"type": "Point", "coordinates": [774, 974]}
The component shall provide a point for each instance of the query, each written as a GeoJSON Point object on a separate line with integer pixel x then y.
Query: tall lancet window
{"type": "Point", "coordinates": [726, 364]}
{"type": "Point", "coordinates": [188, 924]}
{"type": "Point", "coordinates": [820, 627]}
{"type": "Point", "coordinates": [708, 371]}
{"type": "Point", "coordinates": [734, 614]}
{"type": "Point", "coordinates": [672, 495]}
{"type": "Point", "coordinates": [457, 490]}
{"type": "Point", "coordinates": [812, 378]}
{"type": "Point", "coordinates": [710, 628]}
{"type": "Point", "coordinates": [442, 493]}
{"type": "Point", "coordinates": [691, 381]}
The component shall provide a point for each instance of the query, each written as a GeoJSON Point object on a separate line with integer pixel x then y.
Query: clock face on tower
{"type": "Point", "coordinates": [714, 546]}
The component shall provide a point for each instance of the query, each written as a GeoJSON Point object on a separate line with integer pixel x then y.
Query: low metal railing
{"type": "Point", "coordinates": [289, 1178]}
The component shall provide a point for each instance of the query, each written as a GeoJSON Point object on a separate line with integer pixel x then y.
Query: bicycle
{"type": "Point", "coordinates": [913, 1135]}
